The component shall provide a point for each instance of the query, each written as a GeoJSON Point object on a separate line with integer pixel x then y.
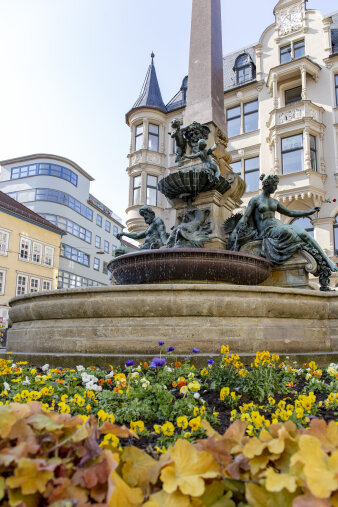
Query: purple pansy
{"type": "Point", "coordinates": [130, 362]}
{"type": "Point", "coordinates": [195, 350]}
{"type": "Point", "coordinates": [211, 361]}
{"type": "Point", "coordinates": [170, 349]}
{"type": "Point", "coordinates": [161, 343]}
{"type": "Point", "coordinates": [158, 362]}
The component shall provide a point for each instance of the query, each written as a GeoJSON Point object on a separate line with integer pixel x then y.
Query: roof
{"type": "Point", "coordinates": [179, 100]}
{"type": "Point", "coordinates": [48, 156]}
{"type": "Point", "coordinates": [93, 201]}
{"type": "Point", "coordinates": [11, 205]}
{"type": "Point", "coordinates": [150, 95]}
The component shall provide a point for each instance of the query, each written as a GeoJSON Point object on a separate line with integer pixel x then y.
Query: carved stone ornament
{"type": "Point", "coordinates": [222, 138]}
{"type": "Point", "coordinates": [286, 116]}
{"type": "Point", "coordinates": [289, 19]}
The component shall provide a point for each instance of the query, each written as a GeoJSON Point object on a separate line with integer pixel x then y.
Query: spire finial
{"type": "Point", "coordinates": [152, 56]}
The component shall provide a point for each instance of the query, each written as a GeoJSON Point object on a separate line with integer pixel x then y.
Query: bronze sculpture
{"type": "Point", "coordinates": [209, 165]}
{"type": "Point", "coordinates": [181, 142]}
{"type": "Point", "coordinates": [155, 235]}
{"type": "Point", "coordinates": [279, 241]}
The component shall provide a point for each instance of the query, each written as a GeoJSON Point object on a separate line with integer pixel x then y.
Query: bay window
{"type": "Point", "coordinates": [292, 154]}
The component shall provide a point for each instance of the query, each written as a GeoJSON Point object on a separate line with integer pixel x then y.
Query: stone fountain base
{"type": "Point", "coordinates": [127, 320]}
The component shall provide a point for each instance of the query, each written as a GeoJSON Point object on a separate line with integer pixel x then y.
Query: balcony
{"type": "Point", "coordinates": [295, 114]}
{"type": "Point", "coordinates": [301, 67]}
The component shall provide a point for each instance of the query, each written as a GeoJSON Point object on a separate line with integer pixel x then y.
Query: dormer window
{"type": "Point", "coordinates": [245, 69]}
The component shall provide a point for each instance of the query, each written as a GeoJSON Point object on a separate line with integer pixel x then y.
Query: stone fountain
{"type": "Point", "coordinates": [216, 277]}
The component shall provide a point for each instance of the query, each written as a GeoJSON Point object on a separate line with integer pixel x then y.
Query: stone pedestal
{"type": "Point", "coordinates": [294, 273]}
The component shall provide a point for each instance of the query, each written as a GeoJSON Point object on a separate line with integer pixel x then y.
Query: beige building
{"type": "Point", "coordinates": [281, 109]}
{"type": "Point", "coordinates": [29, 252]}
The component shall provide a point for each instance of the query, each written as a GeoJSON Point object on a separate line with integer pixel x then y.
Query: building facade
{"type": "Point", "coordinates": [29, 252]}
{"type": "Point", "coordinates": [281, 109]}
{"type": "Point", "coordinates": [58, 190]}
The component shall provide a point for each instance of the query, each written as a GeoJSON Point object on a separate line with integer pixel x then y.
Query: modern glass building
{"type": "Point", "coordinates": [58, 189]}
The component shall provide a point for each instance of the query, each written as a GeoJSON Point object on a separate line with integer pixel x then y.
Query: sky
{"type": "Point", "coordinates": [71, 69]}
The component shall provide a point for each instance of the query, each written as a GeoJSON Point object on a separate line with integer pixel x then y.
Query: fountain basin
{"type": "Point", "coordinates": [191, 183]}
{"type": "Point", "coordinates": [189, 264]}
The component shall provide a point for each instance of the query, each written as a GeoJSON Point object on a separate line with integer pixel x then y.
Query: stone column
{"type": "Point", "coordinates": [304, 90]}
{"type": "Point", "coordinates": [327, 35]}
{"type": "Point", "coordinates": [323, 233]}
{"type": "Point", "coordinates": [205, 97]}
{"type": "Point", "coordinates": [145, 134]}
{"type": "Point", "coordinates": [143, 187]}
{"type": "Point", "coordinates": [306, 149]}
{"type": "Point", "coordinates": [258, 50]}
{"type": "Point", "coordinates": [274, 91]}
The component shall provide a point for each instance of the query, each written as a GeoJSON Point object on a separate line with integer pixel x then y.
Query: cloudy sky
{"type": "Point", "coordinates": [71, 69]}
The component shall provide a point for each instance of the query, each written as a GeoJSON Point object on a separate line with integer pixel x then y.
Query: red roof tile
{"type": "Point", "coordinates": [10, 204]}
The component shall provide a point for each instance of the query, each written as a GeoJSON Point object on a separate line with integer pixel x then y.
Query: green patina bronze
{"type": "Point", "coordinates": [278, 241]}
{"type": "Point", "coordinates": [155, 234]}
{"type": "Point", "coordinates": [209, 165]}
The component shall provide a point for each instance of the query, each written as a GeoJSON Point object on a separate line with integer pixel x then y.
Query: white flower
{"type": "Point", "coordinates": [168, 368]}
{"type": "Point", "coordinates": [13, 365]}
{"type": "Point", "coordinates": [80, 367]}
{"type": "Point", "coordinates": [85, 377]}
{"type": "Point", "coordinates": [45, 367]}
{"type": "Point", "coordinates": [26, 382]}
{"type": "Point", "coordinates": [7, 386]}
{"type": "Point", "coordinates": [196, 396]}
{"type": "Point", "coordinates": [145, 383]}
{"type": "Point", "coordinates": [110, 375]}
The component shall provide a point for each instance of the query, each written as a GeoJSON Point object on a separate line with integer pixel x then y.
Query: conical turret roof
{"type": "Point", "coordinates": [150, 95]}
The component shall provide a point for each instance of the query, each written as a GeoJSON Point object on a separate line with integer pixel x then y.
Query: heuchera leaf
{"type": "Point", "coordinates": [188, 469]}
{"type": "Point", "coordinates": [163, 499]}
{"type": "Point", "coordinates": [7, 420]}
{"type": "Point", "coordinates": [123, 495]}
{"type": "Point", "coordinates": [258, 496]}
{"type": "Point", "coordinates": [276, 482]}
{"type": "Point", "coordinates": [31, 476]}
{"type": "Point", "coordinates": [320, 479]}
{"type": "Point", "coordinates": [139, 468]}
{"type": "Point", "coordinates": [326, 433]}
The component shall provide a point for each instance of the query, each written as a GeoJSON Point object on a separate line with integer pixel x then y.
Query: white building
{"type": "Point", "coordinates": [281, 109]}
{"type": "Point", "coordinates": [58, 189]}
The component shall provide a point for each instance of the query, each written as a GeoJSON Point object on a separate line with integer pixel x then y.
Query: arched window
{"type": "Point", "coordinates": [305, 223]}
{"type": "Point", "coordinates": [335, 234]}
{"type": "Point", "coordinates": [245, 69]}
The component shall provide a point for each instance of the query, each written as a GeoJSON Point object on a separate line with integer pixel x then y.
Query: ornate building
{"type": "Point", "coordinates": [281, 109]}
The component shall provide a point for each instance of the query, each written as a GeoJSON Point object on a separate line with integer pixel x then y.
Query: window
{"type": "Point", "coordinates": [285, 54]}
{"type": "Point", "coordinates": [250, 111]}
{"type": "Point", "coordinates": [74, 254]}
{"type": "Point", "coordinates": [2, 281]}
{"type": "Point", "coordinates": [293, 95]}
{"type": "Point", "coordinates": [245, 69]}
{"type": "Point", "coordinates": [138, 137]}
{"type": "Point", "coordinates": [313, 153]}
{"type": "Point", "coordinates": [48, 194]}
{"type": "Point", "coordinates": [96, 264]}
{"type": "Point", "coordinates": [69, 226]}
{"type": "Point", "coordinates": [4, 238]}
{"type": "Point", "coordinates": [97, 242]}
{"type": "Point", "coordinates": [115, 230]}
{"type": "Point", "coordinates": [151, 190]}
{"type": "Point", "coordinates": [335, 234]}
{"type": "Point", "coordinates": [237, 167]}
{"type": "Point", "coordinates": [304, 223]}
{"type": "Point", "coordinates": [34, 285]}
{"type": "Point", "coordinates": [251, 174]}
{"type": "Point", "coordinates": [153, 137]}
{"type": "Point", "coordinates": [21, 284]}
{"type": "Point", "coordinates": [44, 169]}
{"type": "Point", "coordinates": [106, 246]}
{"type": "Point", "coordinates": [25, 246]}
{"type": "Point", "coordinates": [49, 256]}
{"type": "Point", "coordinates": [292, 51]}
{"type": "Point", "coordinates": [46, 284]}
{"type": "Point", "coordinates": [137, 190]}
{"type": "Point", "coordinates": [37, 252]}
{"type": "Point", "coordinates": [67, 280]}
{"type": "Point", "coordinates": [298, 49]}
{"type": "Point", "coordinates": [105, 268]}
{"type": "Point", "coordinates": [336, 86]}
{"type": "Point", "coordinates": [107, 226]}
{"type": "Point", "coordinates": [234, 121]}
{"type": "Point", "coordinates": [292, 154]}
{"type": "Point", "coordinates": [99, 220]}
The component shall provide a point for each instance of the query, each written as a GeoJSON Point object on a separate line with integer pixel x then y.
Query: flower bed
{"type": "Point", "coordinates": [169, 447]}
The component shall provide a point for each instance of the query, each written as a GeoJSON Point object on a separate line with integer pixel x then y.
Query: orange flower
{"type": "Point", "coordinates": [174, 384]}
{"type": "Point", "coordinates": [108, 381]}
{"type": "Point", "coordinates": [116, 389]}
{"type": "Point", "coordinates": [59, 381]}
{"type": "Point", "coordinates": [101, 381]}
{"type": "Point", "coordinates": [177, 364]}
{"type": "Point", "coordinates": [290, 384]}
{"type": "Point", "coordinates": [145, 365]}
{"type": "Point", "coordinates": [92, 367]}
{"type": "Point", "coordinates": [182, 383]}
